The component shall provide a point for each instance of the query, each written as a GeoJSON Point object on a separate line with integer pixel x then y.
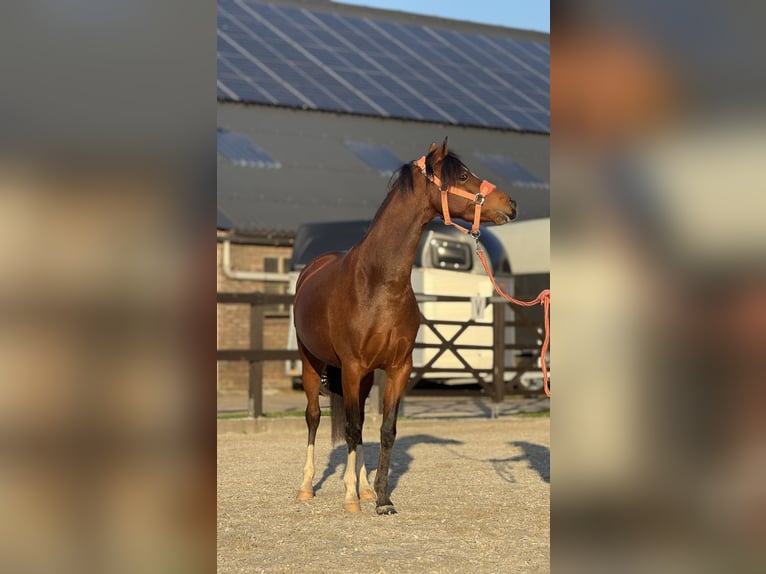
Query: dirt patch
{"type": "Point", "coordinates": [472, 496]}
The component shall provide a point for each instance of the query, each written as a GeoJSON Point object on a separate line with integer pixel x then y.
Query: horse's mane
{"type": "Point", "coordinates": [452, 167]}
{"type": "Point", "coordinates": [402, 180]}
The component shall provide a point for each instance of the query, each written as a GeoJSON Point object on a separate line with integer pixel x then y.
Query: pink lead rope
{"type": "Point", "coordinates": [544, 298]}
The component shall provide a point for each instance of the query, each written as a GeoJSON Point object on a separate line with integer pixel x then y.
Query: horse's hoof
{"type": "Point", "coordinates": [352, 507]}
{"type": "Point", "coordinates": [305, 494]}
{"type": "Point", "coordinates": [367, 495]}
{"type": "Point", "coordinates": [387, 509]}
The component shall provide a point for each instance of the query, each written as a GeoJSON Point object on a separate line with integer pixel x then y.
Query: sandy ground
{"type": "Point", "coordinates": [472, 496]}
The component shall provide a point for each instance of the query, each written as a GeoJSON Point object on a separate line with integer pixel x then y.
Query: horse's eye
{"type": "Point", "coordinates": [464, 176]}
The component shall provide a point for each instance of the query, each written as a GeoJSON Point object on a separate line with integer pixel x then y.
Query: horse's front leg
{"type": "Point", "coordinates": [397, 382]}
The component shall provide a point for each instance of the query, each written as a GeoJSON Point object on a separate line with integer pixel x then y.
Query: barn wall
{"type": "Point", "coordinates": [234, 320]}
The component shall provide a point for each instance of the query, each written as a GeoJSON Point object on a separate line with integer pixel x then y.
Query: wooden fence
{"type": "Point", "coordinates": [256, 354]}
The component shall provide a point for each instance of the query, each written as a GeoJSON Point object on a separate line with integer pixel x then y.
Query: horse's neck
{"type": "Point", "coordinates": [390, 246]}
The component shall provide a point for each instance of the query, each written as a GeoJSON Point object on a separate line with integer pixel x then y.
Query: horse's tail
{"type": "Point", "coordinates": [332, 385]}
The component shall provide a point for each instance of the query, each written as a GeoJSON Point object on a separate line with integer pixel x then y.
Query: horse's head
{"type": "Point", "coordinates": [454, 190]}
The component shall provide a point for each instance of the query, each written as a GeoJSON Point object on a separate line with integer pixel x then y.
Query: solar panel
{"type": "Point", "coordinates": [312, 59]}
{"type": "Point", "coordinates": [377, 156]}
{"type": "Point", "coordinates": [511, 171]}
{"type": "Point", "coordinates": [241, 150]}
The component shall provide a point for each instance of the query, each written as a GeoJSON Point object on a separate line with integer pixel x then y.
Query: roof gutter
{"type": "Point", "coordinates": [238, 275]}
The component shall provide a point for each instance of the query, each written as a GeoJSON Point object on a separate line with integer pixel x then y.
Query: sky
{"type": "Point", "coordinates": [524, 14]}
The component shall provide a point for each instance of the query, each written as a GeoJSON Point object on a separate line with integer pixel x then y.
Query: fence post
{"type": "Point", "coordinates": [498, 350]}
{"type": "Point", "coordinates": [255, 383]}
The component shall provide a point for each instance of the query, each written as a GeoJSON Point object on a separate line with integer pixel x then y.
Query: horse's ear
{"type": "Point", "coordinates": [432, 148]}
{"type": "Point", "coordinates": [438, 153]}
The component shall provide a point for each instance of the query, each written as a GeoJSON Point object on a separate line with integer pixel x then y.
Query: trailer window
{"type": "Point", "coordinates": [451, 255]}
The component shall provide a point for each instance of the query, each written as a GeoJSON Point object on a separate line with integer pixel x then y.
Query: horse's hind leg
{"type": "Point", "coordinates": [311, 380]}
{"type": "Point", "coordinates": [351, 402]}
{"type": "Point", "coordinates": [365, 490]}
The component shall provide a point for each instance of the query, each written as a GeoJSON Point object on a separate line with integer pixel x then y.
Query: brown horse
{"type": "Point", "coordinates": [356, 311]}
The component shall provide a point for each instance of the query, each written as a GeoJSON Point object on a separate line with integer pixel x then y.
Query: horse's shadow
{"type": "Point", "coordinates": [537, 456]}
{"type": "Point", "coordinates": [401, 459]}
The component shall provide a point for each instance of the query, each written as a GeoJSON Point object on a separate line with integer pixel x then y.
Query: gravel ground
{"type": "Point", "coordinates": [472, 496]}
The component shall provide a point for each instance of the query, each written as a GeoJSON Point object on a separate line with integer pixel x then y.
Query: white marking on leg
{"type": "Point", "coordinates": [351, 502]}
{"type": "Point", "coordinates": [307, 488]}
{"type": "Point", "coordinates": [365, 491]}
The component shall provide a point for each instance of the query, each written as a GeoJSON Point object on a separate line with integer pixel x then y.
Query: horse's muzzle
{"type": "Point", "coordinates": [502, 218]}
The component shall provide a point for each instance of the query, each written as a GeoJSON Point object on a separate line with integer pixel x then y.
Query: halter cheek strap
{"type": "Point", "coordinates": [485, 188]}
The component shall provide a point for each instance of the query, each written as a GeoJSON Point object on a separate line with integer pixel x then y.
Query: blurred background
{"type": "Point", "coordinates": [107, 182]}
{"type": "Point", "coordinates": [657, 258]}
{"type": "Point", "coordinates": [107, 172]}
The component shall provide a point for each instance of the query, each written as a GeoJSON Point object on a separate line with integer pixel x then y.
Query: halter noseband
{"type": "Point", "coordinates": [485, 188]}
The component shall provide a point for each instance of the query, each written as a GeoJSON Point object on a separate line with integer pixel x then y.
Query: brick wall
{"type": "Point", "coordinates": [234, 320]}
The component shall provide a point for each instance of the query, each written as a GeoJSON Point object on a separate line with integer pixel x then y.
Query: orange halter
{"type": "Point", "coordinates": [485, 188]}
